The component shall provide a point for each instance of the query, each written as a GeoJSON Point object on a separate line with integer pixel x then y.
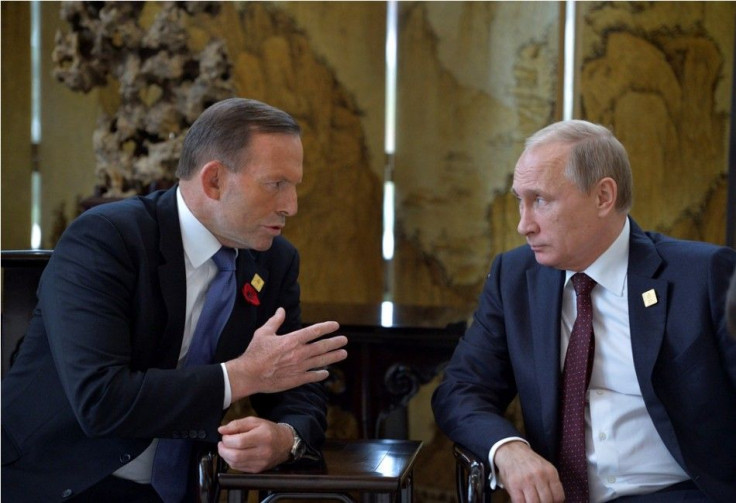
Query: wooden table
{"type": "Point", "coordinates": [390, 355]}
{"type": "Point", "coordinates": [382, 469]}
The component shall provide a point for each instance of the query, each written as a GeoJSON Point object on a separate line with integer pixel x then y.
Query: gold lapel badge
{"type": "Point", "coordinates": [650, 298]}
{"type": "Point", "coordinates": [257, 282]}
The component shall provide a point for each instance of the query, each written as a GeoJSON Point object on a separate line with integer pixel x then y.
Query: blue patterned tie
{"type": "Point", "coordinates": [170, 464]}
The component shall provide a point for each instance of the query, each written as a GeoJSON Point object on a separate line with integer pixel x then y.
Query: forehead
{"type": "Point", "coordinates": [268, 151]}
{"type": "Point", "coordinates": [541, 167]}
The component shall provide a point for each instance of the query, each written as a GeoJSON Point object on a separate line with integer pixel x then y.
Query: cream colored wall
{"type": "Point", "coordinates": [350, 36]}
{"type": "Point", "coordinates": [15, 128]}
{"type": "Point", "coordinates": [67, 161]}
{"type": "Point", "coordinates": [470, 91]}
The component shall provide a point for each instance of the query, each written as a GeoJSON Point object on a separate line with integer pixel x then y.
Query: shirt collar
{"type": "Point", "coordinates": [199, 243]}
{"type": "Point", "coordinates": [609, 270]}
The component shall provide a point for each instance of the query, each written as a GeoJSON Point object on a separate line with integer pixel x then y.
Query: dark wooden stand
{"type": "Point", "coordinates": [389, 358]}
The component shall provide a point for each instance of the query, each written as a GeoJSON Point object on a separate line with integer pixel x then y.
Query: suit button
{"type": "Point", "coordinates": [66, 493]}
{"type": "Point", "coordinates": [202, 434]}
{"type": "Point", "coordinates": [124, 458]}
{"type": "Point", "coordinates": [192, 433]}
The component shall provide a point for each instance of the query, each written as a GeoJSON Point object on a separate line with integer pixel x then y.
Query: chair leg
{"type": "Point", "coordinates": [206, 472]}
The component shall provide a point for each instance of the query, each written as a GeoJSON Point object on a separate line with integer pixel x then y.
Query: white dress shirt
{"type": "Point", "coordinates": [199, 247]}
{"type": "Point", "coordinates": [625, 453]}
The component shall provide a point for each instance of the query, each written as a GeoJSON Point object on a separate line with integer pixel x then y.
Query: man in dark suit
{"type": "Point", "coordinates": [102, 379]}
{"type": "Point", "coordinates": [657, 403]}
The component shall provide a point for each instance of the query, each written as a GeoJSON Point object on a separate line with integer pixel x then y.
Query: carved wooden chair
{"type": "Point", "coordinates": [471, 477]}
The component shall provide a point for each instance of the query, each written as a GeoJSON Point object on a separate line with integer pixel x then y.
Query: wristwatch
{"type": "Point", "coordinates": [298, 447]}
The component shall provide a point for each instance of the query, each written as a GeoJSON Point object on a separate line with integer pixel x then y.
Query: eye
{"type": "Point", "coordinates": [539, 201]}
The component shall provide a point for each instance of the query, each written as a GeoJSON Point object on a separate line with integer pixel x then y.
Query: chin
{"type": "Point", "coordinates": [262, 245]}
{"type": "Point", "coordinates": [544, 259]}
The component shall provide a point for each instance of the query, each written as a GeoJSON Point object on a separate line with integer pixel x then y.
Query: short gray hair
{"type": "Point", "coordinates": [224, 130]}
{"type": "Point", "coordinates": [595, 154]}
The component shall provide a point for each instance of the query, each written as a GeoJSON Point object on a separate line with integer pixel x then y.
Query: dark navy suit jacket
{"type": "Point", "coordinates": [684, 360]}
{"type": "Point", "coordinates": [94, 382]}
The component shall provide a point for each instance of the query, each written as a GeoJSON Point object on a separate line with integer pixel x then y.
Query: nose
{"type": "Point", "coordinates": [526, 225]}
{"type": "Point", "coordinates": [289, 205]}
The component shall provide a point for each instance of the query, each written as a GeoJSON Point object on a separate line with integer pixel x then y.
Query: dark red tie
{"type": "Point", "coordinates": [572, 463]}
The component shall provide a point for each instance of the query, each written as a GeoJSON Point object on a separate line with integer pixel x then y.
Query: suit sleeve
{"type": "Point", "coordinates": [89, 296]}
{"type": "Point", "coordinates": [478, 384]}
{"type": "Point", "coordinates": [723, 305]}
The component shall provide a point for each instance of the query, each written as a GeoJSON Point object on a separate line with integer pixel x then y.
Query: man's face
{"type": "Point", "coordinates": [561, 224]}
{"type": "Point", "coordinates": [256, 200]}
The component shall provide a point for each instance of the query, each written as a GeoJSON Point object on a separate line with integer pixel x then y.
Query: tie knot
{"type": "Point", "coordinates": [225, 259]}
{"type": "Point", "coordinates": [583, 283]}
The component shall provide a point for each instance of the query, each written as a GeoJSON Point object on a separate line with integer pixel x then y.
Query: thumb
{"type": "Point", "coordinates": [273, 323]}
{"type": "Point", "coordinates": [240, 425]}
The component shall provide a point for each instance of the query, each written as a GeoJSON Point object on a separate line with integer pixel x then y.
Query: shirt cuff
{"type": "Point", "coordinates": [493, 478]}
{"type": "Point", "coordinates": [228, 392]}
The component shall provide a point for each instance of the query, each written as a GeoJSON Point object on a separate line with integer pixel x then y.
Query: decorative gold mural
{"type": "Point", "coordinates": [659, 75]}
{"type": "Point", "coordinates": [474, 80]}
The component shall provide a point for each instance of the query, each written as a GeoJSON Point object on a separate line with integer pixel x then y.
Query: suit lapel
{"type": "Point", "coordinates": [647, 322]}
{"type": "Point", "coordinates": [545, 297]}
{"type": "Point", "coordinates": [172, 278]}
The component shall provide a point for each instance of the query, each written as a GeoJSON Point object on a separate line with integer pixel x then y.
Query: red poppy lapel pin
{"type": "Point", "coordinates": [251, 290]}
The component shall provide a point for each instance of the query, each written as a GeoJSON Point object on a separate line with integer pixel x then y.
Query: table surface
{"type": "Point", "coordinates": [381, 465]}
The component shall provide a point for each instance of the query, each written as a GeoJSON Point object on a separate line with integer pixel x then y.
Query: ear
{"type": "Point", "coordinates": [606, 193]}
{"type": "Point", "coordinates": [212, 177]}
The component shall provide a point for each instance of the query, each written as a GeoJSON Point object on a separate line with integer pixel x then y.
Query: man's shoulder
{"type": "Point", "coordinates": [670, 246]}
{"type": "Point", "coordinates": [133, 206]}
{"type": "Point", "coordinates": [134, 223]}
{"type": "Point", "coordinates": [520, 257]}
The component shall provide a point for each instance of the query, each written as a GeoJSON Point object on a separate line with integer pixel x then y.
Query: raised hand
{"type": "Point", "coordinates": [273, 363]}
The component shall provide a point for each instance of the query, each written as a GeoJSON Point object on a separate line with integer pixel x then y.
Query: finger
{"type": "Point", "coordinates": [232, 455]}
{"type": "Point", "coordinates": [239, 425]}
{"type": "Point", "coordinates": [308, 377]}
{"type": "Point", "coordinates": [325, 359]}
{"type": "Point", "coordinates": [274, 322]}
{"type": "Point", "coordinates": [238, 441]}
{"type": "Point", "coordinates": [312, 332]}
{"type": "Point", "coordinates": [326, 345]}
{"type": "Point", "coordinates": [558, 493]}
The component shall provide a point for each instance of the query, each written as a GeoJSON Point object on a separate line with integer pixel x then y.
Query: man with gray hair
{"type": "Point", "coordinates": [613, 338]}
